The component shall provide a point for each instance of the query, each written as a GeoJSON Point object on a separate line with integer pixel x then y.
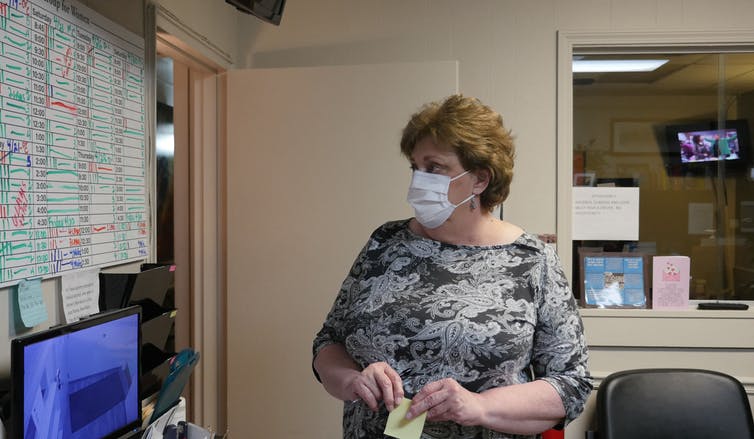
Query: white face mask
{"type": "Point", "coordinates": [428, 195]}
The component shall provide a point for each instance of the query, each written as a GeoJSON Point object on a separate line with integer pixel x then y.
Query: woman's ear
{"type": "Point", "coordinates": [482, 180]}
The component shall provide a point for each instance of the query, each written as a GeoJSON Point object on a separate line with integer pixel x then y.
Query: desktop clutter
{"type": "Point", "coordinates": [165, 418]}
{"type": "Point", "coordinates": [112, 375]}
{"type": "Point", "coordinates": [186, 430]}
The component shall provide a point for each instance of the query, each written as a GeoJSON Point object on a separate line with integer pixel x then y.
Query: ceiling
{"type": "Point", "coordinates": [683, 74]}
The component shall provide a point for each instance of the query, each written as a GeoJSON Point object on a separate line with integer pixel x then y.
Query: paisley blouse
{"type": "Point", "coordinates": [486, 316]}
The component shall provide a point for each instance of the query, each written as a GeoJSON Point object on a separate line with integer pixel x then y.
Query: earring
{"type": "Point", "coordinates": [472, 204]}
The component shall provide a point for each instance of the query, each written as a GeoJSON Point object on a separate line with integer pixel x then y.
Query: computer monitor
{"type": "Point", "coordinates": [78, 380]}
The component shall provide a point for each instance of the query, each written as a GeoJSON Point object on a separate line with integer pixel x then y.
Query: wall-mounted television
{"type": "Point", "coordinates": [697, 145]}
{"type": "Point", "coordinates": [78, 380]}
{"type": "Point", "coordinates": [270, 11]}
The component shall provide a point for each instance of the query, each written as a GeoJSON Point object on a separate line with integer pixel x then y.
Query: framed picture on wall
{"type": "Point", "coordinates": [614, 280]}
{"type": "Point", "coordinates": [634, 136]}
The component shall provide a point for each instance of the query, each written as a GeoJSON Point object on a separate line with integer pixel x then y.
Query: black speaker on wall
{"type": "Point", "coordinates": [270, 11]}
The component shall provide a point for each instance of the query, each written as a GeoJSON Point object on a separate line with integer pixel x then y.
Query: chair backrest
{"type": "Point", "coordinates": [673, 403]}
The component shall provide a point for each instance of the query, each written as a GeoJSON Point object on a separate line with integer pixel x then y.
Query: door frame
{"type": "Point", "coordinates": [199, 226]}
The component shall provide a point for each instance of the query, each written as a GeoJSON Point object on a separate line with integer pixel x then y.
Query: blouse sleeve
{"type": "Point", "coordinates": [334, 328]}
{"type": "Point", "coordinates": [559, 352]}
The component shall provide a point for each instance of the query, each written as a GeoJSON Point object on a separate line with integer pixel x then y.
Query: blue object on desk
{"type": "Point", "coordinates": [180, 370]}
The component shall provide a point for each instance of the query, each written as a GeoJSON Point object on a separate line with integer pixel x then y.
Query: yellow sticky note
{"type": "Point", "coordinates": [402, 428]}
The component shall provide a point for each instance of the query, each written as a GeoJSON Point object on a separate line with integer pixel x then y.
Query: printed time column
{"type": "Point", "coordinates": [40, 21]}
{"type": "Point", "coordinates": [66, 139]}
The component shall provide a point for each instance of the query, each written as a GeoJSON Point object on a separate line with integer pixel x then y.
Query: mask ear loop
{"type": "Point", "coordinates": [473, 203]}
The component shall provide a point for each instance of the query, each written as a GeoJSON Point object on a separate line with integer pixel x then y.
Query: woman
{"type": "Point", "coordinates": [469, 316]}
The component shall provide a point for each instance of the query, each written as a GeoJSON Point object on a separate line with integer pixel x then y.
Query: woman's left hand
{"type": "Point", "coordinates": [446, 400]}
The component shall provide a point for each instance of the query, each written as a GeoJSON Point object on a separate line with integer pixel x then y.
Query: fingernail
{"type": "Point", "coordinates": [398, 400]}
{"type": "Point", "coordinates": [409, 415]}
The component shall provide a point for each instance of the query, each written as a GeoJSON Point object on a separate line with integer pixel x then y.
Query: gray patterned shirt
{"type": "Point", "coordinates": [486, 316]}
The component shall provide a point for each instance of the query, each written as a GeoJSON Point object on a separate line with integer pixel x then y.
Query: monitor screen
{"type": "Point", "coordinates": [79, 380]}
{"type": "Point", "coordinates": [708, 145]}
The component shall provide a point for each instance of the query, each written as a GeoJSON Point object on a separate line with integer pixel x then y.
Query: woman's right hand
{"type": "Point", "coordinates": [377, 382]}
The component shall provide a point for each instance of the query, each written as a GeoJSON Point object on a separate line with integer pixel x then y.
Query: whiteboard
{"type": "Point", "coordinates": [73, 191]}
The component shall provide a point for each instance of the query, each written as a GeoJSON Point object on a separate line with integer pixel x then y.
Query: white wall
{"type": "Point", "coordinates": [131, 17]}
{"type": "Point", "coordinates": [207, 28]}
{"type": "Point", "coordinates": [506, 50]}
{"type": "Point", "coordinates": [309, 187]}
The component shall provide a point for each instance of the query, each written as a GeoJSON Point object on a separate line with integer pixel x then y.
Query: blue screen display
{"type": "Point", "coordinates": [82, 384]}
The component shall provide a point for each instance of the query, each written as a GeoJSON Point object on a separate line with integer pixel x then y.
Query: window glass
{"type": "Point", "coordinates": [680, 132]}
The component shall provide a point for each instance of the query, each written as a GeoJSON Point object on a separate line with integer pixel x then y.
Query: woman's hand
{"type": "Point", "coordinates": [446, 400]}
{"type": "Point", "coordinates": [377, 382]}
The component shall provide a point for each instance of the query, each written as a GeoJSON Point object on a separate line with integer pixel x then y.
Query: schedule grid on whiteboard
{"type": "Point", "coordinates": [72, 141]}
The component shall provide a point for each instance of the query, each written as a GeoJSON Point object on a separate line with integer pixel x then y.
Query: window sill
{"type": "Point", "coordinates": [691, 313]}
{"type": "Point", "coordinates": [693, 328]}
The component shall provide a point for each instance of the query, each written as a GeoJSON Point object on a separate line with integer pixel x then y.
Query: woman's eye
{"type": "Point", "coordinates": [430, 169]}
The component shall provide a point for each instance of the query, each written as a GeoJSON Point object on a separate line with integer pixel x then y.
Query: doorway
{"type": "Point", "coordinates": [189, 218]}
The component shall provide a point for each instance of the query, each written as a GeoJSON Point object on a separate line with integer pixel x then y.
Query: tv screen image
{"type": "Point", "coordinates": [709, 145]}
{"type": "Point", "coordinates": [79, 380]}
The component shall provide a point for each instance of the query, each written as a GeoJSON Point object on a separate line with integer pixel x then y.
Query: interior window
{"type": "Point", "coordinates": [679, 130]}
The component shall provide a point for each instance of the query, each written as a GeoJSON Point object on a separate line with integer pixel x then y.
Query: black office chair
{"type": "Point", "coordinates": [672, 403]}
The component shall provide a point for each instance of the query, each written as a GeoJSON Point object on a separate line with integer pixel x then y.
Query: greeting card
{"type": "Point", "coordinates": [670, 282]}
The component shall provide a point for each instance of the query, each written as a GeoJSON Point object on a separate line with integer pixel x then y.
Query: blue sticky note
{"type": "Point", "coordinates": [31, 305]}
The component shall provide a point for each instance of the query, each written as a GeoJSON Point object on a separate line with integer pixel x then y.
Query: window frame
{"type": "Point", "coordinates": [613, 43]}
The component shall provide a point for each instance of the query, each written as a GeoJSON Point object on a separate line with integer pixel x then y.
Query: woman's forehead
{"type": "Point", "coordinates": [428, 147]}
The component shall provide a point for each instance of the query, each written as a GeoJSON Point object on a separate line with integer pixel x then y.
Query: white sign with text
{"type": "Point", "coordinates": [606, 213]}
{"type": "Point", "coordinates": [80, 294]}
